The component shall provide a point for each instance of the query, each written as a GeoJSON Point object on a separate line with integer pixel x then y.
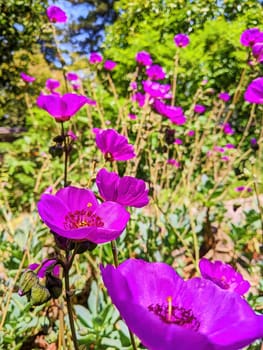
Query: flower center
{"type": "Point", "coordinates": [82, 218]}
{"type": "Point", "coordinates": [173, 314]}
{"type": "Point", "coordinates": [108, 157]}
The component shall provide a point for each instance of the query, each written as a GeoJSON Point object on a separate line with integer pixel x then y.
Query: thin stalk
{"type": "Point", "coordinates": [66, 154]}
{"type": "Point", "coordinates": [176, 62]}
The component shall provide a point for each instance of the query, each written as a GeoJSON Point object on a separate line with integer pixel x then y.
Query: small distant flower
{"type": "Point", "coordinates": [74, 213]}
{"type": "Point", "coordinates": [225, 158]}
{"type": "Point", "coordinates": [224, 96]}
{"type": "Point", "coordinates": [227, 129]}
{"type": "Point", "coordinates": [224, 276]}
{"type": "Point", "coordinates": [178, 142]}
{"type": "Point", "coordinates": [27, 78]}
{"type": "Point", "coordinates": [254, 91]}
{"type": "Point", "coordinates": [133, 85]}
{"type": "Point", "coordinates": [113, 145]}
{"type": "Point", "coordinates": [132, 116]}
{"type": "Point", "coordinates": [155, 72]}
{"type": "Point", "coordinates": [253, 141]}
{"type": "Point", "coordinates": [143, 58]}
{"type": "Point", "coordinates": [175, 114]}
{"type": "Point", "coordinates": [181, 40]}
{"type": "Point", "coordinates": [200, 109]}
{"type": "Point", "coordinates": [75, 86]}
{"type": "Point", "coordinates": [107, 122]}
{"type": "Point", "coordinates": [251, 36]}
{"type": "Point", "coordinates": [139, 98]}
{"type": "Point", "coordinates": [191, 133]}
{"type": "Point", "coordinates": [52, 84]}
{"type": "Point", "coordinates": [163, 310]}
{"type": "Point", "coordinates": [62, 108]}
{"type": "Point", "coordinates": [127, 190]}
{"type": "Point", "coordinates": [156, 90]}
{"type": "Point", "coordinates": [72, 135]}
{"type": "Point", "coordinates": [204, 82]}
{"type": "Point", "coordinates": [240, 189]}
{"type": "Point", "coordinates": [72, 76]}
{"type": "Point", "coordinates": [174, 162]}
{"type": "Point", "coordinates": [109, 65]}
{"type": "Point", "coordinates": [230, 146]}
{"type": "Point", "coordinates": [56, 14]}
{"type": "Point", "coordinates": [249, 189]}
{"type": "Point", "coordinates": [219, 149]}
{"type": "Point", "coordinates": [95, 58]}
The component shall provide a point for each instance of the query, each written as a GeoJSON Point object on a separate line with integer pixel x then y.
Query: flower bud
{"type": "Point", "coordinates": [54, 285]}
{"type": "Point", "coordinates": [27, 281]}
{"type": "Point", "coordinates": [39, 294]}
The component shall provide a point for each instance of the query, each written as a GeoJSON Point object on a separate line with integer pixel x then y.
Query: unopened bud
{"type": "Point", "coordinates": [39, 295]}
{"type": "Point", "coordinates": [27, 281]}
{"type": "Point", "coordinates": [54, 285]}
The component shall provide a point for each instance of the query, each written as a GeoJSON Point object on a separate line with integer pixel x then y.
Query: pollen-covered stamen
{"type": "Point", "coordinates": [82, 218]}
{"type": "Point", "coordinates": [173, 314]}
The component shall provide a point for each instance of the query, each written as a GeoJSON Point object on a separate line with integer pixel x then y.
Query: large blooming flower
{"type": "Point", "coordinates": [113, 145]}
{"type": "Point", "coordinates": [168, 313]}
{"type": "Point", "coordinates": [155, 72]}
{"type": "Point", "coordinates": [254, 91]}
{"type": "Point", "coordinates": [62, 108]}
{"type": "Point", "coordinates": [74, 213]}
{"type": "Point", "coordinates": [181, 40]}
{"type": "Point", "coordinates": [126, 190]}
{"type": "Point", "coordinates": [56, 14]}
{"type": "Point", "coordinates": [223, 275]}
{"type": "Point", "coordinates": [251, 36]}
{"type": "Point", "coordinates": [143, 58]}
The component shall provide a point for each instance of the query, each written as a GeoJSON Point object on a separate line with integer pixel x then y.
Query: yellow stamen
{"type": "Point", "coordinates": [89, 205]}
{"type": "Point", "coordinates": [169, 301]}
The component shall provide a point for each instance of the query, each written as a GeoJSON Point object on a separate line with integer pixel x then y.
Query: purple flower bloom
{"type": "Point", "coordinates": [227, 129]}
{"type": "Point", "coordinates": [254, 91]}
{"type": "Point", "coordinates": [72, 76]}
{"type": "Point", "coordinates": [219, 149]}
{"type": "Point", "coordinates": [52, 84]}
{"type": "Point", "coordinates": [27, 78]}
{"type": "Point", "coordinates": [139, 98]}
{"type": "Point", "coordinates": [224, 276]}
{"type": "Point", "coordinates": [225, 158]}
{"type": "Point", "coordinates": [174, 162]}
{"type": "Point", "coordinates": [127, 190]}
{"type": "Point", "coordinates": [240, 189]}
{"type": "Point", "coordinates": [230, 146]}
{"type": "Point", "coordinates": [62, 108]}
{"type": "Point", "coordinates": [95, 58]}
{"type": "Point", "coordinates": [113, 145]}
{"type": "Point", "coordinates": [110, 65]}
{"type": "Point", "coordinates": [133, 85]}
{"type": "Point", "coordinates": [74, 213]}
{"type": "Point", "coordinates": [47, 264]}
{"type": "Point", "coordinates": [156, 90]}
{"type": "Point", "coordinates": [251, 36]}
{"type": "Point", "coordinates": [72, 135]}
{"type": "Point", "coordinates": [224, 96]}
{"type": "Point", "coordinates": [56, 14]}
{"type": "Point", "coordinates": [132, 116]}
{"type": "Point", "coordinates": [191, 133]}
{"type": "Point", "coordinates": [200, 109]}
{"type": "Point", "coordinates": [143, 58]}
{"type": "Point", "coordinates": [165, 311]}
{"type": "Point", "coordinates": [257, 51]}
{"type": "Point", "coordinates": [253, 141]}
{"type": "Point", "coordinates": [178, 142]}
{"type": "Point", "coordinates": [181, 40]}
{"type": "Point", "coordinates": [155, 72]}
{"type": "Point", "coordinates": [175, 114]}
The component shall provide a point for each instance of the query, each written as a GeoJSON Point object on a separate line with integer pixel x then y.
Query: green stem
{"type": "Point", "coordinates": [66, 154]}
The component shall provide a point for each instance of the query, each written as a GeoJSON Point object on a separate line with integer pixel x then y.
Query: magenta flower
{"type": "Point", "coordinates": [74, 213]}
{"type": "Point", "coordinates": [143, 58]}
{"type": "Point", "coordinates": [72, 135]}
{"type": "Point", "coordinates": [254, 91]}
{"type": "Point", "coordinates": [72, 76]}
{"type": "Point", "coordinates": [166, 312]}
{"type": "Point", "coordinates": [240, 188]}
{"type": "Point", "coordinates": [230, 146]}
{"type": "Point", "coordinates": [178, 142]}
{"type": "Point", "coordinates": [139, 98]}
{"type": "Point", "coordinates": [257, 51]}
{"type": "Point", "coordinates": [251, 36]}
{"type": "Point", "coordinates": [225, 158]}
{"type": "Point", "coordinates": [155, 72]}
{"type": "Point", "coordinates": [109, 65]}
{"type": "Point", "coordinates": [95, 58]}
{"type": "Point", "coordinates": [175, 114]}
{"type": "Point", "coordinates": [224, 276]}
{"type": "Point", "coordinates": [56, 14]}
{"type": "Point", "coordinates": [227, 129]}
{"type": "Point", "coordinates": [174, 162]}
{"type": "Point", "coordinates": [219, 149]}
{"type": "Point", "coordinates": [27, 78]}
{"type": "Point", "coordinates": [181, 40]}
{"type": "Point", "coordinates": [133, 85]}
{"type": "Point", "coordinates": [224, 96]}
{"type": "Point", "coordinates": [132, 116]}
{"type": "Point", "coordinates": [113, 145]}
{"type": "Point", "coordinates": [156, 90]}
{"type": "Point", "coordinates": [200, 109]}
{"type": "Point", "coordinates": [62, 108]}
{"type": "Point", "coordinates": [52, 84]}
{"type": "Point", "coordinates": [191, 133]}
{"type": "Point", "coordinates": [47, 264]}
{"type": "Point", "coordinates": [127, 190]}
